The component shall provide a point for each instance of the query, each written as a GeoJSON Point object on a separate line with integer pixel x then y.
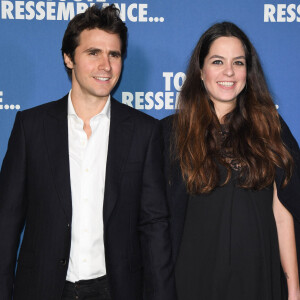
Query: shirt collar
{"type": "Point", "coordinates": [105, 111]}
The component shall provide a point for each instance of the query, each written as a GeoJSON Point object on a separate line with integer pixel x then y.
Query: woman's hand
{"type": "Point", "coordinates": [295, 295]}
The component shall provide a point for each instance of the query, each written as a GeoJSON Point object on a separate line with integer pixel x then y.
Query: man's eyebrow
{"type": "Point", "coordinates": [92, 50]}
{"type": "Point", "coordinates": [97, 50]}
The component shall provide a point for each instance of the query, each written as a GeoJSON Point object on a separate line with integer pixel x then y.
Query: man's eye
{"type": "Point", "coordinates": [217, 62]}
{"type": "Point", "coordinates": [93, 53]}
{"type": "Point", "coordinates": [114, 54]}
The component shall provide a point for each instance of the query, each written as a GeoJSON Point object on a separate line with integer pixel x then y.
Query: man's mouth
{"type": "Point", "coordinates": [102, 78]}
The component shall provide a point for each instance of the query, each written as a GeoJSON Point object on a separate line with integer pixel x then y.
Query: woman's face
{"type": "Point", "coordinates": [224, 71]}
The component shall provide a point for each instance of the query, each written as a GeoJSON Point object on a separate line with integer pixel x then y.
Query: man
{"type": "Point", "coordinates": [84, 175]}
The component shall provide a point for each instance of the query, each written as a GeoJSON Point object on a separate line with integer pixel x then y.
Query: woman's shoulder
{"type": "Point", "coordinates": [289, 140]}
{"type": "Point", "coordinates": [290, 194]}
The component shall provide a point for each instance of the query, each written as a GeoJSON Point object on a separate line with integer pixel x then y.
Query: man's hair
{"type": "Point", "coordinates": [107, 19]}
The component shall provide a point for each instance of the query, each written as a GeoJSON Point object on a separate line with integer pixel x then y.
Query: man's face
{"type": "Point", "coordinates": [97, 65]}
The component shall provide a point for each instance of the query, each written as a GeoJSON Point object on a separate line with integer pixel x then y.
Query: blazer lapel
{"type": "Point", "coordinates": [56, 132]}
{"type": "Point", "coordinates": [120, 136]}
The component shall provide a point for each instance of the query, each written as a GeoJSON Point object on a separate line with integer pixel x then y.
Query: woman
{"type": "Point", "coordinates": [224, 153]}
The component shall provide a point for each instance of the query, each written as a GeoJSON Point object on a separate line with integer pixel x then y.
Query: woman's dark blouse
{"type": "Point", "coordinates": [228, 246]}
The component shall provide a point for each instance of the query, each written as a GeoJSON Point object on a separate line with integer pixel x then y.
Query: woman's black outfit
{"type": "Point", "coordinates": [225, 243]}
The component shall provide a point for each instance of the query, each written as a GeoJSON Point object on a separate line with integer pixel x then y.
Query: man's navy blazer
{"type": "Point", "coordinates": [35, 191]}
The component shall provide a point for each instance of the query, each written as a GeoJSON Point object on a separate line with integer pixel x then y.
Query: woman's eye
{"type": "Point", "coordinates": [239, 63]}
{"type": "Point", "coordinates": [217, 62]}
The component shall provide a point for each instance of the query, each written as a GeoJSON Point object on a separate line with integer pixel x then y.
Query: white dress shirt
{"type": "Point", "coordinates": [87, 171]}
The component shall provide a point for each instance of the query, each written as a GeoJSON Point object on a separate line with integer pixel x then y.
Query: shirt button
{"type": "Point", "coordinates": [86, 170]}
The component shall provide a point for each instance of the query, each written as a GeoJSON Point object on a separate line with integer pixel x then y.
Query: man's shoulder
{"type": "Point", "coordinates": [54, 107]}
{"type": "Point", "coordinates": [132, 112]}
{"type": "Point", "coordinates": [167, 123]}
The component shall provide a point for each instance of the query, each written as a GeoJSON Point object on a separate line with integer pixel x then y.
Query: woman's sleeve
{"type": "Point", "coordinates": [290, 194]}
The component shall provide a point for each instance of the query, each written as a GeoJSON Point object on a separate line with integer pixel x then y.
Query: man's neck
{"type": "Point", "coordinates": [87, 108]}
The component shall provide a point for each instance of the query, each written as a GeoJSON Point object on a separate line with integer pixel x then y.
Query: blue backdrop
{"type": "Point", "coordinates": [162, 35]}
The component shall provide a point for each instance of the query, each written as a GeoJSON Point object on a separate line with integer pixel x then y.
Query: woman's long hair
{"type": "Point", "coordinates": [253, 126]}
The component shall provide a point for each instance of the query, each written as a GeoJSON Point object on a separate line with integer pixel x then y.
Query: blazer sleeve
{"type": "Point", "coordinates": [12, 205]}
{"type": "Point", "coordinates": [290, 195]}
{"type": "Point", "coordinates": [154, 226]}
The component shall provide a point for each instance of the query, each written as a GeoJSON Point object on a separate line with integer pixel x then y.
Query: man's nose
{"type": "Point", "coordinates": [104, 63]}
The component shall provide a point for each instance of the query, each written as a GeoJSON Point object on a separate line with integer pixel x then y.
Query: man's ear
{"type": "Point", "coordinates": [68, 61]}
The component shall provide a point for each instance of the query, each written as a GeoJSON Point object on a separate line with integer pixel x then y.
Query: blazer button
{"type": "Point", "coordinates": [63, 262]}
